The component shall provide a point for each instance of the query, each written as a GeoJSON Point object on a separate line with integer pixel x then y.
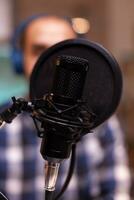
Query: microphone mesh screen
{"type": "Point", "coordinates": [70, 77]}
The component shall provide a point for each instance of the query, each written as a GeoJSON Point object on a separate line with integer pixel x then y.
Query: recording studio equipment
{"type": "Point", "coordinates": [99, 97]}
{"type": "Point", "coordinates": [103, 84]}
{"type": "Point", "coordinates": [75, 86]}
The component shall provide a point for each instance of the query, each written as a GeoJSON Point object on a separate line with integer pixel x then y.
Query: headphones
{"type": "Point", "coordinates": [16, 51]}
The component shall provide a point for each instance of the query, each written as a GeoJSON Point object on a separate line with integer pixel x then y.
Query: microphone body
{"type": "Point", "coordinates": [62, 123]}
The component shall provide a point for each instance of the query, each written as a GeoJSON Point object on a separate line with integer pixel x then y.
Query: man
{"type": "Point", "coordinates": [101, 168]}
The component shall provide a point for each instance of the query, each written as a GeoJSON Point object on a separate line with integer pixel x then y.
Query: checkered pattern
{"type": "Point", "coordinates": [101, 171]}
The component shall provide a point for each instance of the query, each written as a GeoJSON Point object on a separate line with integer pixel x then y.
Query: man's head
{"type": "Point", "coordinates": [40, 34]}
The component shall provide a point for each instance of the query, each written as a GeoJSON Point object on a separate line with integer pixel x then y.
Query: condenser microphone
{"type": "Point", "coordinates": [63, 106]}
{"type": "Point", "coordinates": [62, 121]}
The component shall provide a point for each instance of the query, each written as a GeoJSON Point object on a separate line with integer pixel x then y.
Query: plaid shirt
{"type": "Point", "coordinates": [101, 171]}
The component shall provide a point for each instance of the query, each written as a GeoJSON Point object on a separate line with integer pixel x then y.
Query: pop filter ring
{"type": "Point", "coordinates": [90, 46]}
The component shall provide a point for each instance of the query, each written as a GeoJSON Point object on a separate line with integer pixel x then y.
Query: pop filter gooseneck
{"type": "Point", "coordinates": [81, 84]}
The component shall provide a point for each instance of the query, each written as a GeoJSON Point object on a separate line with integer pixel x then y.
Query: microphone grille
{"type": "Point", "coordinates": [70, 76]}
{"type": "Point", "coordinates": [73, 61]}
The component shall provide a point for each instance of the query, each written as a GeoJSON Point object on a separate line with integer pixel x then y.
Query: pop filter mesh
{"type": "Point", "coordinates": [103, 84]}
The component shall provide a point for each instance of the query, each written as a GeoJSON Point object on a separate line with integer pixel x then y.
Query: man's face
{"type": "Point", "coordinates": [42, 34]}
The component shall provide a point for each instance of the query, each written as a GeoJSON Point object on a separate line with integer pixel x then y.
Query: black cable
{"type": "Point", "coordinates": [49, 195]}
{"type": "Point", "coordinates": [70, 173]}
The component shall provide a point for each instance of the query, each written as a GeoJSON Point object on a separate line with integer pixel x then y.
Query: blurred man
{"type": "Point", "coordinates": [101, 170]}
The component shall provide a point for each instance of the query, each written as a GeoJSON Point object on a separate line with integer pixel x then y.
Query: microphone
{"type": "Point", "coordinates": [63, 119]}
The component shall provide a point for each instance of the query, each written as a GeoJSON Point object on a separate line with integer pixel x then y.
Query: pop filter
{"type": "Point", "coordinates": [103, 86]}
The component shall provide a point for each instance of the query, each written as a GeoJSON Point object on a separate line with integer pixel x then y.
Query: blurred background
{"type": "Point", "coordinates": [111, 24]}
